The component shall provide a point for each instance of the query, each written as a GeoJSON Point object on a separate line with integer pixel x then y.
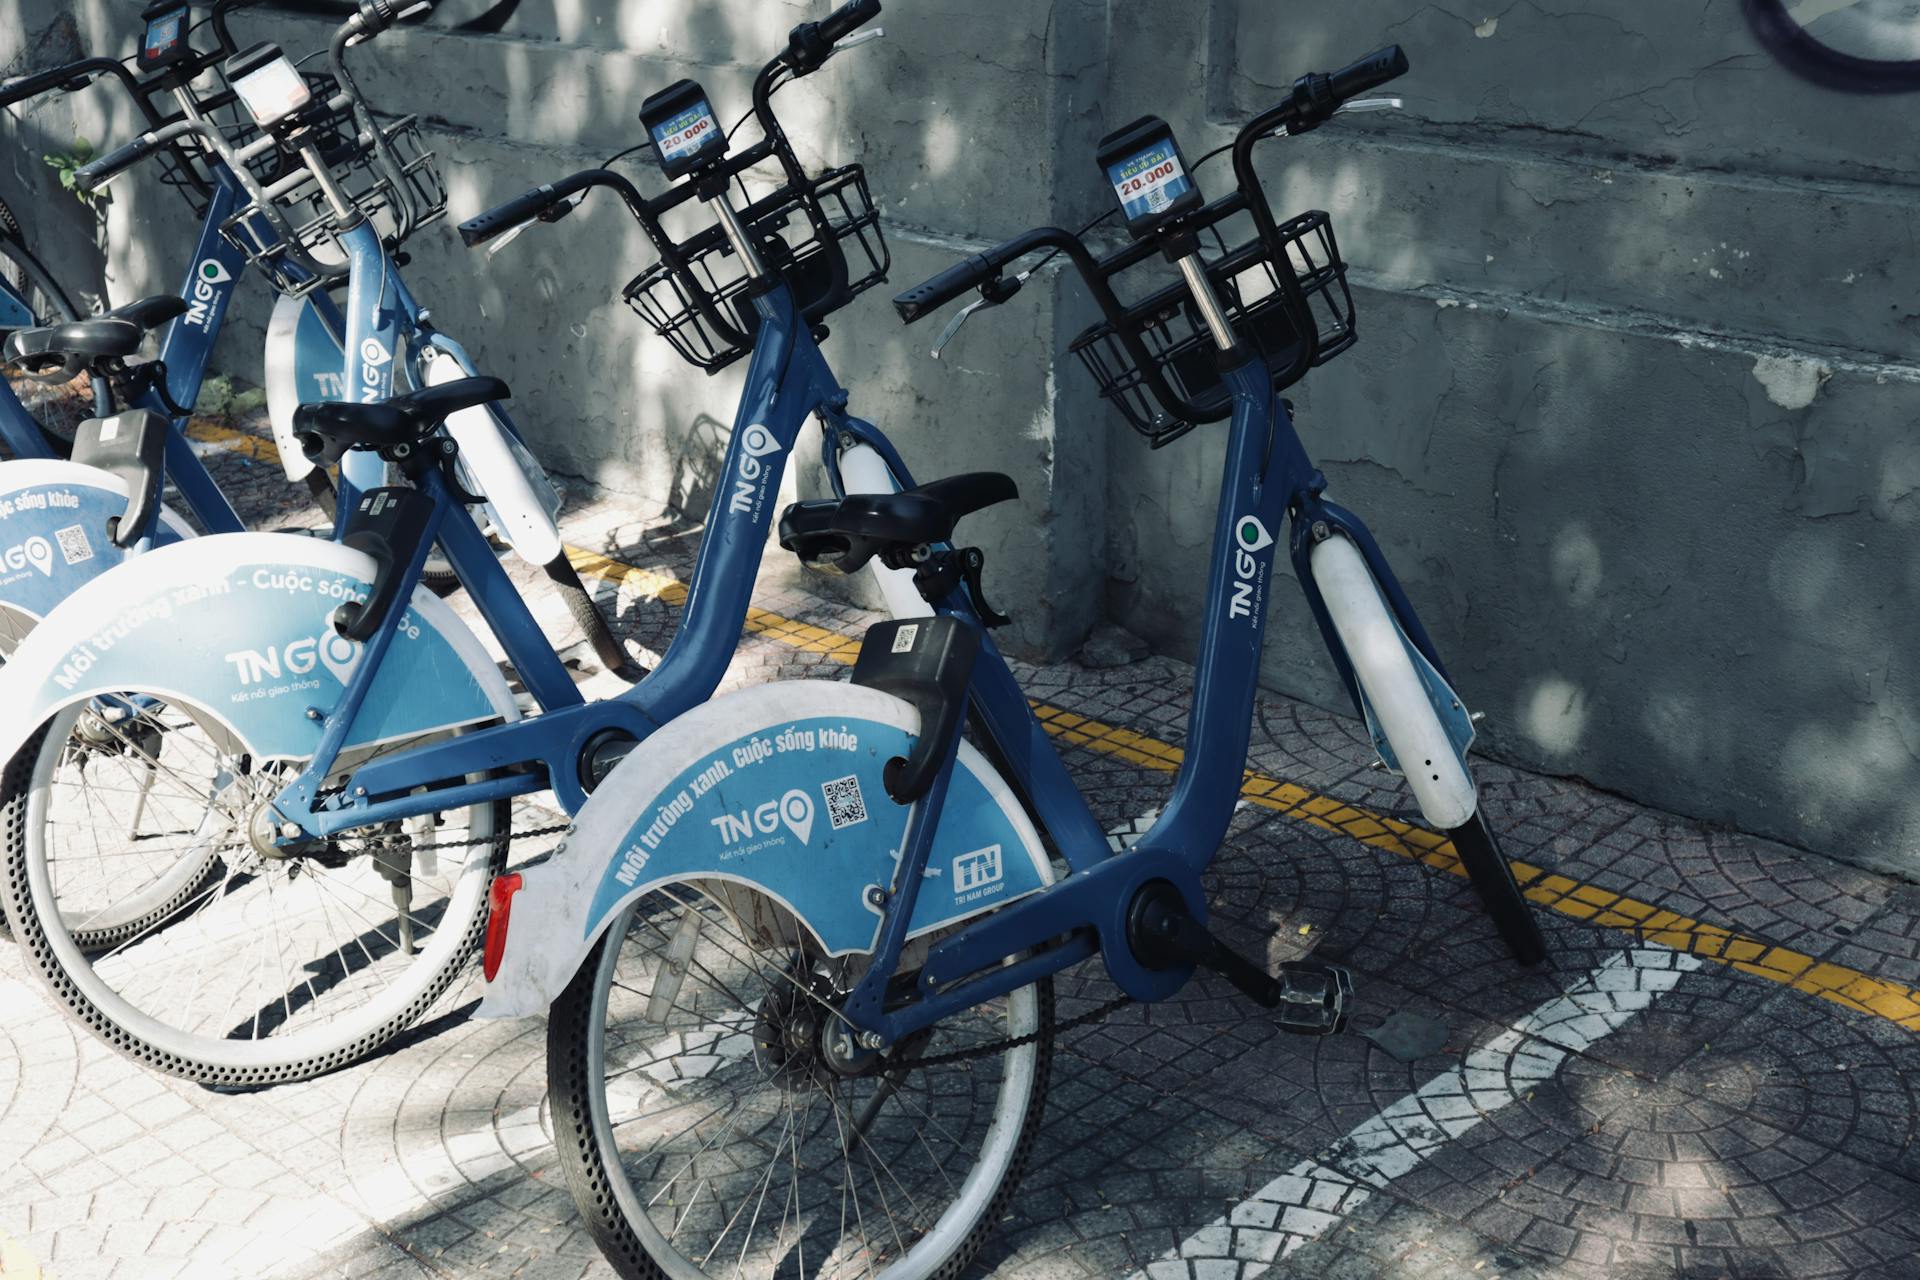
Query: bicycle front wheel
{"type": "Point", "coordinates": [143, 883]}
{"type": "Point", "coordinates": [703, 1133]}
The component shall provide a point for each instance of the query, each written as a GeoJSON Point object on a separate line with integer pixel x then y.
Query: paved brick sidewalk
{"type": "Point", "coordinates": [1631, 1110]}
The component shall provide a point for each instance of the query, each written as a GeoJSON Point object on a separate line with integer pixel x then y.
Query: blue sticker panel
{"type": "Point", "coordinates": [1149, 180]}
{"type": "Point", "coordinates": [53, 540]}
{"type": "Point", "coordinates": [256, 647]}
{"type": "Point", "coordinates": [800, 809]}
{"type": "Point", "coordinates": [686, 133]}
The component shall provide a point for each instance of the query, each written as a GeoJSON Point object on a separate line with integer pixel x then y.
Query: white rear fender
{"type": "Point", "coordinates": [776, 790]}
{"type": "Point", "coordinates": [863, 470]}
{"type": "Point", "coordinates": [1399, 701]}
{"type": "Point", "coordinates": [239, 626]}
{"type": "Point", "coordinates": [53, 536]}
{"type": "Point", "coordinates": [520, 500]}
{"type": "Point", "coordinates": [303, 366]}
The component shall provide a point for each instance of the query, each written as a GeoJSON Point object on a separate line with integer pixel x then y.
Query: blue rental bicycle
{"type": "Point", "coordinates": [255, 206]}
{"type": "Point", "coordinates": [799, 958]}
{"type": "Point", "coordinates": [55, 508]}
{"type": "Point", "coordinates": [332, 769]}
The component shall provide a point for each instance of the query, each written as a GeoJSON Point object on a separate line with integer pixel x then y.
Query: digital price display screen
{"type": "Point", "coordinates": [682, 126]}
{"type": "Point", "coordinates": [1149, 178]}
{"type": "Point", "coordinates": [165, 40]}
{"type": "Point", "coordinates": [270, 85]}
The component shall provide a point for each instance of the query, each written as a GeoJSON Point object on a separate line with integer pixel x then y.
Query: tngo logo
{"type": "Point", "coordinates": [35, 551]}
{"type": "Point", "coordinates": [373, 357]}
{"type": "Point", "coordinates": [203, 297]}
{"type": "Point", "coordinates": [751, 483]}
{"type": "Point", "coordinates": [1249, 536]}
{"type": "Point", "coordinates": [331, 650]}
{"type": "Point", "coordinates": [795, 809]}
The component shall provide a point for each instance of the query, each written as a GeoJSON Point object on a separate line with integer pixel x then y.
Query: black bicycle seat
{"type": "Point", "coordinates": [328, 429]}
{"type": "Point", "coordinates": [72, 346]}
{"type": "Point", "coordinates": [839, 535]}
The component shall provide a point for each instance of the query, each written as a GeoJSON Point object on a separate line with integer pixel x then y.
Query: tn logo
{"type": "Point", "coordinates": [333, 651]}
{"type": "Point", "coordinates": [794, 809]}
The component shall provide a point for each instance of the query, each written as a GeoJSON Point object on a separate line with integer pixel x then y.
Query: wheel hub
{"type": "Point", "coordinates": [797, 1040]}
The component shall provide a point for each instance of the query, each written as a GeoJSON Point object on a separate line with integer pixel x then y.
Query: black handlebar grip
{"type": "Point", "coordinates": [847, 19]}
{"type": "Point", "coordinates": [930, 295]}
{"type": "Point", "coordinates": [1372, 71]}
{"type": "Point", "coordinates": [483, 227]}
{"type": "Point", "coordinates": [91, 174]}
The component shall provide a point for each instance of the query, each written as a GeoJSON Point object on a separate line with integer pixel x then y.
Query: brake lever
{"type": "Point", "coordinates": [554, 214]}
{"type": "Point", "coordinates": [853, 41]}
{"type": "Point", "coordinates": [1004, 289]}
{"type": "Point", "coordinates": [1354, 105]}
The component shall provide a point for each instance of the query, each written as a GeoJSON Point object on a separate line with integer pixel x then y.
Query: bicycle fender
{"type": "Point", "coordinates": [1417, 722]}
{"type": "Point", "coordinates": [521, 502]}
{"type": "Point", "coordinates": [304, 365]}
{"type": "Point", "coordinates": [239, 625]}
{"type": "Point", "coordinates": [776, 789]}
{"type": "Point", "coordinates": [53, 536]}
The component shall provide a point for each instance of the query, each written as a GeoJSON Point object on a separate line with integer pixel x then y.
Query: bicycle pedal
{"type": "Point", "coordinates": [1315, 998]}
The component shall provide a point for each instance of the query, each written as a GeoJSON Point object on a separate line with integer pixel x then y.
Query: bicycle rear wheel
{"type": "Point", "coordinates": [24, 274]}
{"type": "Point", "coordinates": [143, 885]}
{"type": "Point", "coordinates": [702, 1133]}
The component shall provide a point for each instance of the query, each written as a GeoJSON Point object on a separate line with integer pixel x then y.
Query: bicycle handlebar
{"type": "Point", "coordinates": [847, 19]}
{"type": "Point", "coordinates": [528, 205]}
{"type": "Point", "coordinates": [72, 76]}
{"type": "Point", "coordinates": [109, 166]}
{"type": "Point", "coordinates": [1313, 100]}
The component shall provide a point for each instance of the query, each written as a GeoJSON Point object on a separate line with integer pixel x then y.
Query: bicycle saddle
{"type": "Point", "coordinates": [327, 429]}
{"type": "Point", "coordinates": [70, 347]}
{"type": "Point", "coordinates": [839, 535]}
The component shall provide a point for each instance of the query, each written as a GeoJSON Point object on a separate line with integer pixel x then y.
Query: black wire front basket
{"type": "Point", "coordinates": [788, 225]}
{"type": "Point", "coordinates": [399, 197]}
{"type": "Point", "coordinates": [1181, 349]}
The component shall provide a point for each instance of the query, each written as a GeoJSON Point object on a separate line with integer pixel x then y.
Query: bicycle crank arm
{"type": "Point", "coordinates": [1312, 998]}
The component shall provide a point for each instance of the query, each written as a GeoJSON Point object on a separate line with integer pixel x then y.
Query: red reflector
{"type": "Point", "coordinates": [499, 907]}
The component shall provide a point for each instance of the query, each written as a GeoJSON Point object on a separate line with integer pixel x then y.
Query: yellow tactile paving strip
{"type": "Point", "coordinates": [1849, 988]}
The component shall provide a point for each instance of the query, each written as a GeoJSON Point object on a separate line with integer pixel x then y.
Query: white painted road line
{"type": "Point", "coordinates": [1311, 1198]}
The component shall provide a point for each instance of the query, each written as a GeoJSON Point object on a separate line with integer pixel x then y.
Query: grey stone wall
{"type": "Point", "coordinates": [1633, 410]}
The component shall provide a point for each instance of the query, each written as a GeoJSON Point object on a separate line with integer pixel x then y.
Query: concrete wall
{"type": "Point", "coordinates": [1633, 410]}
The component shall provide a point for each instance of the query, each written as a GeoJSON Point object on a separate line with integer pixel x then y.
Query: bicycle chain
{"type": "Point", "coordinates": [1013, 1042]}
{"type": "Point", "coordinates": [534, 834]}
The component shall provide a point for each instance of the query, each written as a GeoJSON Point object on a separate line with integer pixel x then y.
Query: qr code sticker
{"type": "Point", "coordinates": [903, 638]}
{"type": "Point", "coordinates": [73, 544]}
{"type": "Point", "coordinates": [845, 804]}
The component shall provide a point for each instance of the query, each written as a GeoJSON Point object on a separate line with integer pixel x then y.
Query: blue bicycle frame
{"type": "Point", "coordinates": [787, 380]}
{"type": "Point", "coordinates": [211, 279]}
{"type": "Point", "coordinates": [1268, 476]}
